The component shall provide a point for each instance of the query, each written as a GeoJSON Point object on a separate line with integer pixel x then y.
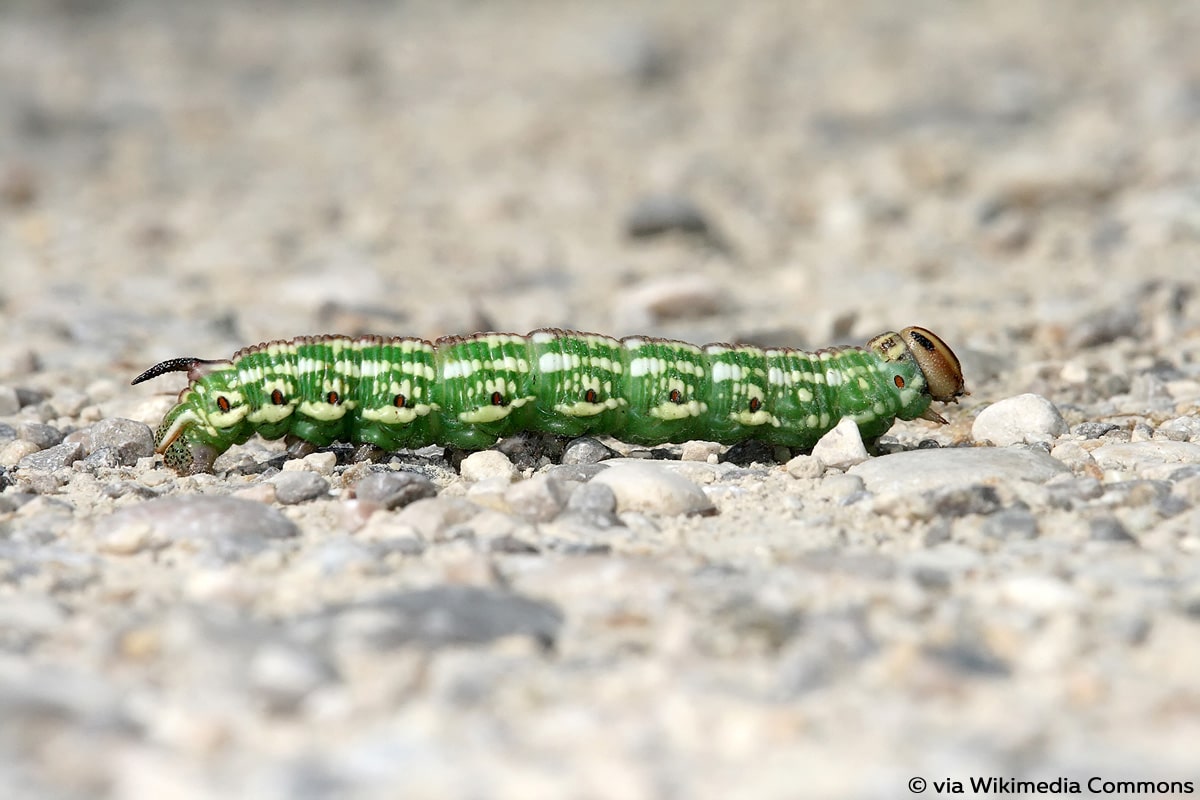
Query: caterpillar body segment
{"type": "Point", "coordinates": [469, 391]}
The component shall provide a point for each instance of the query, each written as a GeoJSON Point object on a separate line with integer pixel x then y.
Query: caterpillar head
{"type": "Point", "coordinates": [189, 433]}
{"type": "Point", "coordinates": [177, 439]}
{"type": "Point", "coordinates": [933, 359]}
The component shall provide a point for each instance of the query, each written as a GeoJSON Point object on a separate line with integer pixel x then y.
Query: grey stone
{"type": "Point", "coordinates": [392, 490]}
{"type": "Point", "coordinates": [130, 440]}
{"type": "Point", "coordinates": [1140, 457]}
{"type": "Point", "coordinates": [299, 486]}
{"type": "Point", "coordinates": [586, 450]}
{"type": "Point", "coordinates": [921, 470]}
{"type": "Point", "coordinates": [594, 499]}
{"type": "Point", "coordinates": [538, 499]}
{"type": "Point", "coordinates": [102, 458]}
{"type": "Point", "coordinates": [445, 615]}
{"type": "Point", "coordinates": [52, 458]}
{"type": "Point", "coordinates": [227, 528]}
{"type": "Point", "coordinates": [1093, 430]}
{"type": "Point", "coordinates": [658, 214]}
{"type": "Point", "coordinates": [1012, 523]}
{"type": "Point", "coordinates": [959, 501]}
{"type": "Point", "coordinates": [1108, 529]}
{"type": "Point", "coordinates": [39, 433]}
{"type": "Point", "coordinates": [577, 473]}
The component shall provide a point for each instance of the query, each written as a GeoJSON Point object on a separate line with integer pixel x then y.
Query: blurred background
{"type": "Point", "coordinates": [188, 178]}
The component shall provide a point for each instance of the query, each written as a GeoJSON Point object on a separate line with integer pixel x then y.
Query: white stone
{"type": "Point", "coordinates": [805, 466]}
{"type": "Point", "coordinates": [487, 464]}
{"type": "Point", "coordinates": [1024, 419]}
{"type": "Point", "coordinates": [650, 488]}
{"type": "Point", "coordinates": [842, 447]}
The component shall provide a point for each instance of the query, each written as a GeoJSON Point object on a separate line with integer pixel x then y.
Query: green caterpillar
{"type": "Point", "coordinates": [469, 391]}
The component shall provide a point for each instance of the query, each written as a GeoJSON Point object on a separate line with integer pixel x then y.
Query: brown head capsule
{"type": "Point", "coordinates": [943, 373]}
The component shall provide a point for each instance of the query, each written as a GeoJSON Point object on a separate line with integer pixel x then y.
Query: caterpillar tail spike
{"type": "Point", "coordinates": [467, 392]}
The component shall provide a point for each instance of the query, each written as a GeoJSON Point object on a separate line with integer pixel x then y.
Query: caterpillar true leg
{"type": "Point", "coordinates": [467, 392]}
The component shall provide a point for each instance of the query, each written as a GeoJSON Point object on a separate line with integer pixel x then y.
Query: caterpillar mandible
{"type": "Point", "coordinates": [469, 391]}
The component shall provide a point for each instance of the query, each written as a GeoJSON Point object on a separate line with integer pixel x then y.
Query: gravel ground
{"type": "Point", "coordinates": [1015, 594]}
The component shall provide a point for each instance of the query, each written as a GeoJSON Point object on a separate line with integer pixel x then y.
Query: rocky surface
{"type": "Point", "coordinates": [1014, 594]}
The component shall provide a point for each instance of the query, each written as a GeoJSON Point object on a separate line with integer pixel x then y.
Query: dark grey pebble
{"type": "Point", "coordinates": [130, 440]}
{"type": "Point", "coordinates": [511, 544]}
{"type": "Point", "coordinates": [52, 458]}
{"type": "Point", "coordinates": [394, 489]}
{"type": "Point", "coordinates": [299, 486]}
{"type": "Point", "coordinates": [971, 658]}
{"type": "Point", "coordinates": [587, 450]}
{"type": "Point", "coordinates": [39, 433]}
{"type": "Point", "coordinates": [1011, 523]}
{"type": "Point", "coordinates": [754, 451]}
{"type": "Point", "coordinates": [658, 214]}
{"type": "Point", "coordinates": [1183, 473]}
{"type": "Point", "coordinates": [445, 615]}
{"type": "Point", "coordinates": [30, 397]}
{"type": "Point", "coordinates": [1093, 430]}
{"type": "Point", "coordinates": [963, 500]}
{"type": "Point", "coordinates": [227, 528]}
{"type": "Point", "coordinates": [7, 433]}
{"type": "Point", "coordinates": [1108, 529]}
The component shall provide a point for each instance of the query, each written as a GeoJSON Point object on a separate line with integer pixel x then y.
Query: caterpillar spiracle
{"type": "Point", "coordinates": [469, 391]}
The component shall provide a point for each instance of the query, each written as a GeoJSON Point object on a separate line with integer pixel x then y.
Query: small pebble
{"type": "Point", "coordinates": [842, 447]}
{"type": "Point", "coordinates": [805, 466]}
{"type": "Point", "coordinates": [40, 434]}
{"type": "Point", "coordinates": [487, 464]}
{"type": "Point", "coordinates": [699, 451]}
{"type": "Point", "coordinates": [292, 487]}
{"type": "Point", "coordinates": [12, 452]}
{"type": "Point", "coordinates": [394, 489]}
{"type": "Point", "coordinates": [1093, 430]}
{"type": "Point", "coordinates": [596, 503]}
{"type": "Point", "coordinates": [538, 499]}
{"type": "Point", "coordinates": [1109, 529]}
{"type": "Point", "coordinates": [1011, 524]}
{"type": "Point", "coordinates": [658, 214]}
{"type": "Point", "coordinates": [128, 439]}
{"type": "Point", "coordinates": [586, 450]}
{"type": "Point", "coordinates": [1026, 418]}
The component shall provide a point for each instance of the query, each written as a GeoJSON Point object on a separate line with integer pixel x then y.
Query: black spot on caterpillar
{"type": "Point", "coordinates": [469, 391]}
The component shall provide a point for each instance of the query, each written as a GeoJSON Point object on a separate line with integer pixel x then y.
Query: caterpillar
{"type": "Point", "coordinates": [470, 391]}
